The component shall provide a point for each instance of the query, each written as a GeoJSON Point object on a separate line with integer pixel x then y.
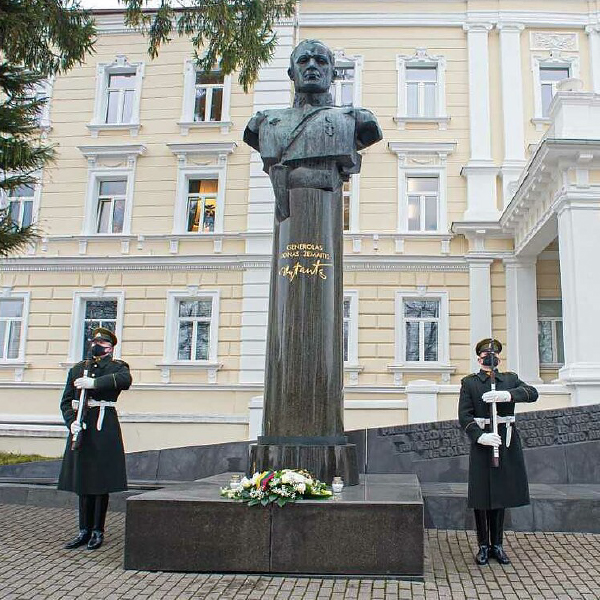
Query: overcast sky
{"type": "Point", "coordinates": [105, 3]}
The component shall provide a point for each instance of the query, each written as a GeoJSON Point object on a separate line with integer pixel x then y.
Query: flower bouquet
{"type": "Point", "coordinates": [279, 487]}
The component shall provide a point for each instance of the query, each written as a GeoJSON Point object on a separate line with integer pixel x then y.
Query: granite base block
{"type": "Point", "coordinates": [374, 528]}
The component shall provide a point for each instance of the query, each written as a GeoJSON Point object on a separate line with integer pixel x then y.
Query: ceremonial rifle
{"type": "Point", "coordinates": [494, 415]}
{"type": "Point", "coordinates": [81, 410]}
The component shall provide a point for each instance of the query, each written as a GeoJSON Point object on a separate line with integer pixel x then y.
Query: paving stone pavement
{"type": "Point", "coordinates": [33, 565]}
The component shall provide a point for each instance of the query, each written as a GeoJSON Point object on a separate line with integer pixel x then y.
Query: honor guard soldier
{"type": "Point", "coordinates": [492, 488]}
{"type": "Point", "coordinates": [97, 467]}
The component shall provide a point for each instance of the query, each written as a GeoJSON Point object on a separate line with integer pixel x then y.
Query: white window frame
{"type": "Point", "coordinates": [37, 193]}
{"type": "Point", "coordinates": [187, 122]}
{"type": "Point", "coordinates": [422, 204]}
{"type": "Point", "coordinates": [443, 328]}
{"type": "Point", "coordinates": [554, 364]}
{"type": "Point", "coordinates": [103, 71]}
{"type": "Point", "coordinates": [422, 59]}
{"type": "Point", "coordinates": [410, 155]}
{"type": "Point", "coordinates": [554, 59]}
{"type": "Point", "coordinates": [19, 361]}
{"type": "Point", "coordinates": [352, 295]}
{"type": "Point", "coordinates": [109, 200]}
{"type": "Point", "coordinates": [44, 88]}
{"type": "Point", "coordinates": [127, 155]}
{"type": "Point", "coordinates": [356, 60]}
{"type": "Point", "coordinates": [354, 204]}
{"type": "Point", "coordinates": [200, 198]}
{"type": "Point", "coordinates": [187, 169]}
{"type": "Point", "coordinates": [78, 317]}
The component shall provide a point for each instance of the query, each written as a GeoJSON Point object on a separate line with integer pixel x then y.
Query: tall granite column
{"type": "Point", "coordinates": [308, 150]}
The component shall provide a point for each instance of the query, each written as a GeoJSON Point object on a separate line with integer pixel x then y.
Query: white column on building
{"type": "Point", "coordinates": [579, 249]}
{"type": "Point", "coordinates": [521, 318]}
{"type": "Point", "coordinates": [272, 90]}
{"type": "Point", "coordinates": [480, 303]}
{"type": "Point", "coordinates": [480, 170]}
{"type": "Point", "coordinates": [512, 106]}
{"type": "Point", "coordinates": [593, 32]}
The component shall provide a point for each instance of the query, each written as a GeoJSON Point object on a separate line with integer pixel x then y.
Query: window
{"type": "Point", "coordinates": [550, 332]}
{"type": "Point", "coordinates": [11, 328]}
{"type": "Point", "coordinates": [347, 197]}
{"type": "Point", "coordinates": [342, 86]}
{"type": "Point", "coordinates": [549, 77]}
{"type": "Point", "coordinates": [350, 332]}
{"type": "Point", "coordinates": [202, 204]}
{"type": "Point", "coordinates": [120, 97]}
{"type": "Point", "coordinates": [208, 103]}
{"type": "Point", "coordinates": [98, 313]}
{"type": "Point", "coordinates": [193, 329]}
{"type": "Point", "coordinates": [118, 94]}
{"type": "Point", "coordinates": [111, 206]}
{"type": "Point", "coordinates": [421, 320]}
{"type": "Point", "coordinates": [423, 199]}
{"type": "Point", "coordinates": [421, 82]}
{"type": "Point", "coordinates": [20, 205]}
{"type": "Point", "coordinates": [346, 326]}
{"type": "Point", "coordinates": [421, 89]}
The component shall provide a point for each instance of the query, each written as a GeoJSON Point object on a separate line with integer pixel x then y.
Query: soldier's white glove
{"type": "Point", "coordinates": [497, 396]}
{"type": "Point", "coordinates": [489, 439]}
{"type": "Point", "coordinates": [85, 383]}
{"type": "Point", "coordinates": [76, 428]}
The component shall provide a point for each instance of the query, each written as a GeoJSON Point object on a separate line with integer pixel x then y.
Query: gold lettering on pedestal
{"type": "Point", "coordinates": [303, 268]}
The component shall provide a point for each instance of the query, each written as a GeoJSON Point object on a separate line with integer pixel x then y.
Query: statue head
{"type": "Point", "coordinates": [312, 67]}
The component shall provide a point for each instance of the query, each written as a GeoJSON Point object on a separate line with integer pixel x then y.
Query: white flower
{"type": "Point", "coordinates": [245, 483]}
{"type": "Point", "coordinates": [255, 478]}
{"type": "Point", "coordinates": [300, 487]}
{"type": "Point", "coordinates": [292, 477]}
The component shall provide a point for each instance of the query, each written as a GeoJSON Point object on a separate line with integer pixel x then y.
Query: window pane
{"type": "Point", "coordinates": [194, 186]}
{"type": "Point", "coordinates": [553, 74]}
{"type": "Point", "coordinates": [560, 348]}
{"type": "Point", "coordinates": [346, 197]}
{"type": "Point", "coordinates": [202, 341]}
{"type": "Point", "coordinates": [346, 326]}
{"type": "Point", "coordinates": [216, 104]}
{"type": "Point", "coordinates": [421, 74]}
{"type": "Point", "coordinates": [127, 107]}
{"type": "Point", "coordinates": [546, 98]}
{"type": "Point", "coordinates": [184, 342]}
{"type": "Point", "coordinates": [431, 213]}
{"type": "Point", "coordinates": [193, 218]}
{"type": "Point", "coordinates": [103, 216]}
{"type": "Point", "coordinates": [412, 341]}
{"type": "Point", "coordinates": [200, 104]}
{"type": "Point", "coordinates": [550, 308]}
{"type": "Point", "coordinates": [14, 209]}
{"type": "Point", "coordinates": [347, 98]}
{"type": "Point", "coordinates": [431, 341]}
{"type": "Point", "coordinates": [2, 337]}
{"type": "Point", "coordinates": [210, 207]}
{"type": "Point", "coordinates": [101, 309]}
{"type": "Point", "coordinates": [118, 216]}
{"type": "Point", "coordinates": [421, 309]}
{"type": "Point", "coordinates": [195, 308]}
{"type": "Point", "coordinates": [414, 216]}
{"type": "Point", "coordinates": [27, 213]}
{"type": "Point", "coordinates": [120, 81]}
{"type": "Point", "coordinates": [545, 341]}
{"type": "Point", "coordinates": [22, 191]}
{"type": "Point", "coordinates": [422, 184]}
{"type": "Point", "coordinates": [429, 108]}
{"type": "Point", "coordinates": [412, 100]}
{"type": "Point", "coordinates": [112, 107]}
{"type": "Point", "coordinates": [11, 308]}
{"type": "Point", "coordinates": [14, 339]}
{"type": "Point", "coordinates": [210, 78]}
{"type": "Point", "coordinates": [344, 73]}
{"type": "Point", "coordinates": [113, 188]}
{"type": "Point", "coordinates": [346, 308]}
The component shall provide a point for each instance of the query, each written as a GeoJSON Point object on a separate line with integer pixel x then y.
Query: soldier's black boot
{"type": "Point", "coordinates": [496, 533]}
{"type": "Point", "coordinates": [483, 539]}
{"type": "Point", "coordinates": [100, 508]}
{"type": "Point", "coordinates": [85, 524]}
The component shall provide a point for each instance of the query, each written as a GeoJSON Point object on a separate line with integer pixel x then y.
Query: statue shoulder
{"type": "Point", "coordinates": [368, 131]}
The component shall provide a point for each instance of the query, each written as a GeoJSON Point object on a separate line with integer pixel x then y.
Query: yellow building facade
{"type": "Point", "coordinates": [157, 220]}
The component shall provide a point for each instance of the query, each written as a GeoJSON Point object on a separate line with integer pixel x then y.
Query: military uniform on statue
{"type": "Point", "coordinates": [492, 489]}
{"type": "Point", "coordinates": [97, 467]}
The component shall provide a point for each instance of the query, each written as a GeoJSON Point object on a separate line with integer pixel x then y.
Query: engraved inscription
{"type": "Point", "coordinates": [305, 260]}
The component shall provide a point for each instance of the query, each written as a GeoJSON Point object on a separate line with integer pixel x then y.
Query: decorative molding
{"type": "Point", "coordinates": [444, 370]}
{"type": "Point", "coordinates": [552, 40]}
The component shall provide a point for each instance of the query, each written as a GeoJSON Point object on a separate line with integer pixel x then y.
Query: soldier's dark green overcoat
{"type": "Point", "coordinates": [507, 485]}
{"type": "Point", "coordinates": [98, 467]}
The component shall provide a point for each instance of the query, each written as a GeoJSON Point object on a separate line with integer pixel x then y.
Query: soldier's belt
{"type": "Point", "coordinates": [508, 421]}
{"type": "Point", "coordinates": [102, 404]}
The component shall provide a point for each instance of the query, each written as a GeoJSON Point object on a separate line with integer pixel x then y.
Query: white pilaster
{"type": "Point", "coordinates": [512, 106]}
{"type": "Point", "coordinates": [480, 303]}
{"type": "Point", "coordinates": [480, 171]}
{"type": "Point", "coordinates": [593, 32]}
{"type": "Point", "coordinates": [272, 90]}
{"type": "Point", "coordinates": [422, 400]}
{"type": "Point", "coordinates": [255, 413]}
{"type": "Point", "coordinates": [579, 245]}
{"type": "Point", "coordinates": [521, 318]}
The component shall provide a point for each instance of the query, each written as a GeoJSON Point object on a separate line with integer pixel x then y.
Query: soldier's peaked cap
{"type": "Point", "coordinates": [486, 344]}
{"type": "Point", "coordinates": [101, 333]}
